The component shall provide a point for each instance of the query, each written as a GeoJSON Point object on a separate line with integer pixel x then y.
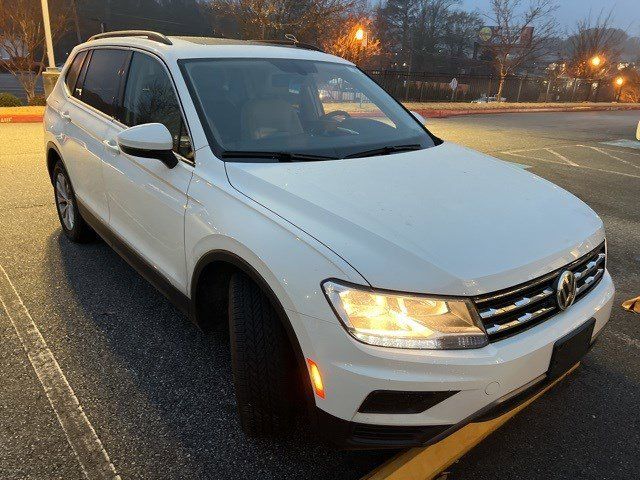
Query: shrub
{"type": "Point", "coordinates": [8, 100]}
{"type": "Point", "coordinates": [38, 100]}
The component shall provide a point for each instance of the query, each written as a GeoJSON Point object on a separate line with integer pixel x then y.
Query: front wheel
{"type": "Point", "coordinates": [262, 360]}
{"type": "Point", "coordinates": [72, 223]}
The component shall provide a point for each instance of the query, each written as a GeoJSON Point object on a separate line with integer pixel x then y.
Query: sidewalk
{"type": "Point", "coordinates": [426, 109]}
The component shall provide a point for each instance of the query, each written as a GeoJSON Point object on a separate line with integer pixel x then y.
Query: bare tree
{"type": "Point", "coordinates": [268, 19]}
{"type": "Point", "coordinates": [429, 29]}
{"type": "Point", "coordinates": [347, 44]}
{"type": "Point", "coordinates": [594, 38]}
{"type": "Point", "coordinates": [22, 38]}
{"type": "Point", "coordinates": [519, 34]}
{"type": "Point", "coordinates": [459, 32]}
{"type": "Point", "coordinates": [629, 91]}
{"type": "Point", "coordinates": [395, 21]}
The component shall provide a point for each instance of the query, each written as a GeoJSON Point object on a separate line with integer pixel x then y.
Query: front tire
{"type": "Point", "coordinates": [262, 360]}
{"type": "Point", "coordinates": [72, 223]}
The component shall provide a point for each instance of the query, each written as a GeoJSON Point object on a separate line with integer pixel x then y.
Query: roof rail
{"type": "Point", "coordinates": [290, 43]}
{"type": "Point", "coordinates": [155, 36]}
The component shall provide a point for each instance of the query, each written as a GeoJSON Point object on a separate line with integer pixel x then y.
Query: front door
{"type": "Point", "coordinates": [147, 200]}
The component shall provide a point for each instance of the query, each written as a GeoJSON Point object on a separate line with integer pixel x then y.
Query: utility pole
{"type": "Point", "coordinates": [47, 33]}
{"type": "Point", "coordinates": [51, 74]}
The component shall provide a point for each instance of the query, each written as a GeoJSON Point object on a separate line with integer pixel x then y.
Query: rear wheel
{"type": "Point", "coordinates": [73, 225]}
{"type": "Point", "coordinates": [262, 359]}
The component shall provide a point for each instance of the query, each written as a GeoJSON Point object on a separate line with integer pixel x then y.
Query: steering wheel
{"type": "Point", "coordinates": [327, 123]}
{"type": "Point", "coordinates": [337, 113]}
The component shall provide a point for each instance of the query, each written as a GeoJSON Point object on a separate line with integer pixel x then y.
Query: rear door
{"type": "Point", "coordinates": [147, 200]}
{"type": "Point", "coordinates": [88, 113]}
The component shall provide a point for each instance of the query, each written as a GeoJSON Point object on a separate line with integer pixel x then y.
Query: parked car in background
{"type": "Point", "coordinates": [484, 99]}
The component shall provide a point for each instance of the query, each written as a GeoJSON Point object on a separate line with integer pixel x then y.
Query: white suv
{"type": "Point", "coordinates": [397, 285]}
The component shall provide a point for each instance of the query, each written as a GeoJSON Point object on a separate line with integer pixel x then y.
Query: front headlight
{"type": "Point", "coordinates": [405, 320]}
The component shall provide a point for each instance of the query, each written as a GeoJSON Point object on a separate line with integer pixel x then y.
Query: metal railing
{"type": "Point", "coordinates": [428, 87]}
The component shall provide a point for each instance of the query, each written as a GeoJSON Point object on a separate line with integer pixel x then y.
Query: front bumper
{"type": "Point", "coordinates": [481, 377]}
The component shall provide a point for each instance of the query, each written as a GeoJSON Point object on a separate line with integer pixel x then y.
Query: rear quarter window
{"type": "Point", "coordinates": [74, 70]}
{"type": "Point", "coordinates": [102, 80]}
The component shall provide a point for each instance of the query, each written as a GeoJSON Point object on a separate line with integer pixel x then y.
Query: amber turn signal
{"type": "Point", "coordinates": [316, 378]}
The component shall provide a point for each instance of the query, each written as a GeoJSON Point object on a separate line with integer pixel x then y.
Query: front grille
{"type": "Point", "coordinates": [515, 309]}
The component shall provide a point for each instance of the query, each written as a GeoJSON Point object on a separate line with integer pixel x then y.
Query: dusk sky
{"type": "Point", "coordinates": [627, 12]}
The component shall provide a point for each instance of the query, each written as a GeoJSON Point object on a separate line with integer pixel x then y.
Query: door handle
{"type": "Point", "coordinates": [111, 146]}
{"type": "Point", "coordinates": [65, 116]}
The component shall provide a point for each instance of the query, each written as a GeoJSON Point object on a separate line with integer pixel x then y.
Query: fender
{"type": "Point", "coordinates": [52, 146]}
{"type": "Point", "coordinates": [251, 272]}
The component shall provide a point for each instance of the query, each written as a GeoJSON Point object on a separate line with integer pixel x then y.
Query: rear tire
{"type": "Point", "coordinates": [72, 223]}
{"type": "Point", "coordinates": [262, 361]}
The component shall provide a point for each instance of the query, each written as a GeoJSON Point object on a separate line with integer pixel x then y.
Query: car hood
{"type": "Point", "coordinates": [445, 220]}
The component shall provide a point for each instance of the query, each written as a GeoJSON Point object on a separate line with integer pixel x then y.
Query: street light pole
{"type": "Point", "coordinates": [619, 83]}
{"type": "Point", "coordinates": [47, 33]}
{"type": "Point", "coordinates": [51, 74]}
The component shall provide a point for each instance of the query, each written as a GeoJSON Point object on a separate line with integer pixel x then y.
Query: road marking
{"type": "Point", "coordinates": [80, 434]}
{"type": "Point", "coordinates": [604, 152]}
{"type": "Point", "coordinates": [529, 157]}
{"type": "Point", "coordinates": [516, 153]}
{"type": "Point", "coordinates": [425, 463]}
{"type": "Point", "coordinates": [520, 150]}
{"type": "Point", "coordinates": [562, 157]}
{"type": "Point", "coordinates": [630, 341]}
{"type": "Point", "coordinates": [623, 142]}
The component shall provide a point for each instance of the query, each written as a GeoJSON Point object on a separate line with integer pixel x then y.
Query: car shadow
{"type": "Point", "coordinates": [165, 385]}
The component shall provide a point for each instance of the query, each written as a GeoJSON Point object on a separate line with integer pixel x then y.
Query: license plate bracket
{"type": "Point", "coordinates": [568, 350]}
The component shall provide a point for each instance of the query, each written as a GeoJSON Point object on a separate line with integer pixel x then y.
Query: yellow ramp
{"type": "Point", "coordinates": [425, 463]}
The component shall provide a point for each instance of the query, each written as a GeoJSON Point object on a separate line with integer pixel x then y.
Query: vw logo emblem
{"type": "Point", "coordinates": [566, 289]}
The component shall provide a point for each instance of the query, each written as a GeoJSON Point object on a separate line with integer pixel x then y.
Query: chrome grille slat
{"type": "Point", "coordinates": [521, 320]}
{"type": "Point", "coordinates": [509, 311]}
{"type": "Point", "coordinates": [516, 305]}
{"type": "Point", "coordinates": [590, 280]}
{"type": "Point", "coordinates": [590, 266]}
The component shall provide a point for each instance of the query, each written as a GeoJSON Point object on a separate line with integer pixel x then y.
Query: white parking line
{"type": "Point", "coordinates": [600, 150]}
{"type": "Point", "coordinates": [604, 170]}
{"type": "Point", "coordinates": [629, 341]}
{"type": "Point", "coordinates": [562, 157]}
{"type": "Point", "coordinates": [80, 434]}
{"type": "Point", "coordinates": [531, 157]}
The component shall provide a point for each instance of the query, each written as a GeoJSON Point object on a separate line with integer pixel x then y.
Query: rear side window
{"type": "Point", "coordinates": [74, 70]}
{"type": "Point", "coordinates": [102, 80]}
{"type": "Point", "coordinates": [149, 97]}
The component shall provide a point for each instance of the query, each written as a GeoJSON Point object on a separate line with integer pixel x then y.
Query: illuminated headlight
{"type": "Point", "coordinates": [405, 320]}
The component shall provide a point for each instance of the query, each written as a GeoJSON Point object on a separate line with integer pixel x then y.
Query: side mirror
{"type": "Point", "coordinates": [418, 117]}
{"type": "Point", "coordinates": [149, 140]}
{"type": "Point", "coordinates": [638, 132]}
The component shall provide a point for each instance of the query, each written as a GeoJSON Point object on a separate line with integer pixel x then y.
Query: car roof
{"type": "Point", "coordinates": [182, 47]}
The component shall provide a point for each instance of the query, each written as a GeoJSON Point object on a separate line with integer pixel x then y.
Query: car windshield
{"type": "Point", "coordinates": [298, 110]}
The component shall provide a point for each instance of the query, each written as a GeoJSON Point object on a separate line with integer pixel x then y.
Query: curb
{"type": "Point", "coordinates": [21, 118]}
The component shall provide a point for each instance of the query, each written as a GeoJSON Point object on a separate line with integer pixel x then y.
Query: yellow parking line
{"type": "Point", "coordinates": [428, 462]}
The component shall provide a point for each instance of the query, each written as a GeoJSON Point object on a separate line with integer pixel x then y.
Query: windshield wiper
{"type": "Point", "coordinates": [280, 156]}
{"type": "Point", "coordinates": [386, 150]}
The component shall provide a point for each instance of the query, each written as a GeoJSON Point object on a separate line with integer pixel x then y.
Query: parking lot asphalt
{"type": "Point", "coordinates": [158, 392]}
